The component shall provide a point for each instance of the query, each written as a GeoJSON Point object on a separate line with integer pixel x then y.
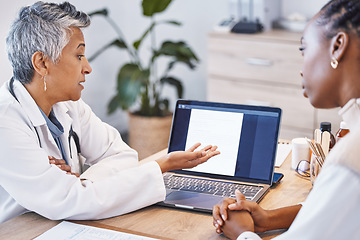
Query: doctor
{"type": "Point", "coordinates": [47, 133]}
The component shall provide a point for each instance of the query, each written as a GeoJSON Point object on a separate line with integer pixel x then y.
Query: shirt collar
{"type": "Point", "coordinates": [28, 104]}
{"type": "Point", "coordinates": [53, 124]}
{"type": "Point", "coordinates": [350, 113]}
{"type": "Point", "coordinates": [31, 108]}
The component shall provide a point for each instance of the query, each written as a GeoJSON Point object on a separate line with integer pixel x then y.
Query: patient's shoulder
{"type": "Point", "coordinates": [346, 152]}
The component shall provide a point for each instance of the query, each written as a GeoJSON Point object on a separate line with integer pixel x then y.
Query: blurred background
{"type": "Point", "coordinates": [198, 18]}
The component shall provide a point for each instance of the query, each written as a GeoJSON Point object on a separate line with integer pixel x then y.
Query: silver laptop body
{"type": "Point", "coordinates": [246, 137]}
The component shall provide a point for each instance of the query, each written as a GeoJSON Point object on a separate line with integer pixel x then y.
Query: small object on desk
{"type": "Point", "coordinates": [317, 136]}
{"type": "Point", "coordinates": [68, 230]}
{"type": "Point", "coordinates": [247, 27]}
{"type": "Point", "coordinates": [225, 26]}
{"type": "Point", "coordinates": [343, 130]}
{"type": "Point", "coordinates": [326, 127]}
{"type": "Point", "coordinates": [325, 142]}
{"type": "Point", "coordinates": [320, 148]}
{"type": "Point", "coordinates": [277, 177]}
{"type": "Point", "coordinates": [300, 154]}
{"type": "Point", "coordinates": [282, 152]}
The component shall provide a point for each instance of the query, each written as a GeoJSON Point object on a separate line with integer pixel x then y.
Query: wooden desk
{"type": "Point", "coordinates": [167, 223]}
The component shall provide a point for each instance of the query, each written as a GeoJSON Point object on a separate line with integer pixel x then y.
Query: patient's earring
{"type": "Point", "coordinates": [44, 82]}
{"type": "Point", "coordinates": [334, 63]}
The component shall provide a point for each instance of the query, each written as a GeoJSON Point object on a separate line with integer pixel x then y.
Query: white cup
{"type": "Point", "coordinates": [300, 151]}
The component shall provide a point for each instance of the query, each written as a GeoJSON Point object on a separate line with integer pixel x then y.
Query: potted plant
{"type": "Point", "coordinates": [139, 84]}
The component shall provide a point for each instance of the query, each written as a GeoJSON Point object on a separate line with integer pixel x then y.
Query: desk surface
{"type": "Point", "coordinates": [167, 223]}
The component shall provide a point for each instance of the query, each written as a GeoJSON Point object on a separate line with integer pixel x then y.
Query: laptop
{"type": "Point", "coordinates": [246, 137]}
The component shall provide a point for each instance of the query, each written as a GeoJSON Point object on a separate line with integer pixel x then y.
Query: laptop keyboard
{"type": "Point", "coordinates": [223, 189]}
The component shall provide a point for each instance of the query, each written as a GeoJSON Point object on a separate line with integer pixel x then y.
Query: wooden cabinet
{"type": "Point", "coordinates": [264, 69]}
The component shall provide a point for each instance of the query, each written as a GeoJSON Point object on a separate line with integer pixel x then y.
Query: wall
{"type": "Point", "coordinates": [305, 7]}
{"type": "Point", "coordinates": [198, 18]}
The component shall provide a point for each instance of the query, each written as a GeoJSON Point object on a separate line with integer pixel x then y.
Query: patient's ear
{"type": "Point", "coordinates": [39, 63]}
{"type": "Point", "coordinates": [339, 44]}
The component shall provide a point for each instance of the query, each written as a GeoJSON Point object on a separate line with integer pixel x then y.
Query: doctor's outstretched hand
{"type": "Point", "coordinates": [186, 159]}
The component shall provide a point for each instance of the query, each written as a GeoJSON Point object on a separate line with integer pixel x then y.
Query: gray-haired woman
{"type": "Point", "coordinates": [47, 133]}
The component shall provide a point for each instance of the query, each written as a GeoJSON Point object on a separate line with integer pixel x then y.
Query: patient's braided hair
{"type": "Point", "coordinates": [343, 15]}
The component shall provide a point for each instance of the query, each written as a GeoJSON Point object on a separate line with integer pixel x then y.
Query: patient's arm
{"type": "Point", "coordinates": [264, 220]}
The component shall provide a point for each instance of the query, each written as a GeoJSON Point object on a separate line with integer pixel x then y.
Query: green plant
{"type": "Point", "coordinates": [137, 81]}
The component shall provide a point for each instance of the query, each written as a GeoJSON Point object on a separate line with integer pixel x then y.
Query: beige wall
{"type": "Point", "coordinates": [198, 18]}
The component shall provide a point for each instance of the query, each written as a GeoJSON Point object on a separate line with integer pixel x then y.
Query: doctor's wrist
{"type": "Point", "coordinates": [164, 164]}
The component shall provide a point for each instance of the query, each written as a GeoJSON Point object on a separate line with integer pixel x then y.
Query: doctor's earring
{"type": "Point", "coordinates": [334, 63]}
{"type": "Point", "coordinates": [44, 77]}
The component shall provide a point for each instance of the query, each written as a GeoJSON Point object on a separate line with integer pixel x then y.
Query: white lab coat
{"type": "Point", "coordinates": [115, 183]}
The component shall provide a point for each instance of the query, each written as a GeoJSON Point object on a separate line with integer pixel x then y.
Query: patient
{"type": "Point", "coordinates": [47, 133]}
{"type": "Point", "coordinates": [331, 78]}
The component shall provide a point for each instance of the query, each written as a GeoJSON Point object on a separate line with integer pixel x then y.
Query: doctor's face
{"type": "Point", "coordinates": [65, 78]}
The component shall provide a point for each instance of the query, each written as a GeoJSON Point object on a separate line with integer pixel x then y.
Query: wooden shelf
{"type": "Point", "coordinates": [264, 69]}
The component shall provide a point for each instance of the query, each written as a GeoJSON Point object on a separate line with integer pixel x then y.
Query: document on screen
{"type": "Point", "coordinates": [219, 128]}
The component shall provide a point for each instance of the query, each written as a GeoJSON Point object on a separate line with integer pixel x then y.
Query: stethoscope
{"type": "Point", "coordinates": [72, 133]}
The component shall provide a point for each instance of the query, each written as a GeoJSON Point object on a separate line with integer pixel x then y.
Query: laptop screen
{"type": "Point", "coordinates": [246, 137]}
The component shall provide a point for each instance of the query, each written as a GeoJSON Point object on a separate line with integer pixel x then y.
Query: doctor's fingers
{"type": "Point", "coordinates": [207, 148]}
{"type": "Point", "coordinates": [64, 167]}
{"type": "Point", "coordinates": [193, 147]}
{"type": "Point", "coordinates": [204, 154]}
{"type": "Point", "coordinates": [53, 160]}
{"type": "Point", "coordinates": [204, 158]}
{"type": "Point", "coordinates": [212, 149]}
{"type": "Point", "coordinates": [75, 174]}
{"type": "Point", "coordinates": [67, 169]}
{"type": "Point", "coordinates": [209, 154]}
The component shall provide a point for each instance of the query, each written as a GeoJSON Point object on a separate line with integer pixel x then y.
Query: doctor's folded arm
{"type": "Point", "coordinates": [48, 134]}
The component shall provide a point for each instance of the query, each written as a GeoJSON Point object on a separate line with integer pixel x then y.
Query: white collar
{"type": "Point", "coordinates": [350, 113]}
{"type": "Point", "coordinates": [31, 108]}
{"type": "Point", "coordinates": [28, 104]}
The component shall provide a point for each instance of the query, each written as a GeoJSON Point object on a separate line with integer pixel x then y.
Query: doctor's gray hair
{"type": "Point", "coordinates": [43, 27]}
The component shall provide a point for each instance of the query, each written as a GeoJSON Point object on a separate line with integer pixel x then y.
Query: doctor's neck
{"type": "Point", "coordinates": [40, 94]}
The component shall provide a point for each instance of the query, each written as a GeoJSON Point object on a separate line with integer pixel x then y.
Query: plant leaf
{"type": "Point", "coordinates": [165, 102]}
{"type": "Point", "coordinates": [173, 22]}
{"type": "Point", "coordinates": [103, 12]}
{"type": "Point", "coordinates": [150, 7]}
{"type": "Point", "coordinates": [162, 107]}
{"type": "Point", "coordinates": [137, 43]}
{"type": "Point", "coordinates": [171, 65]}
{"type": "Point", "coordinates": [179, 51]}
{"type": "Point", "coordinates": [113, 104]}
{"type": "Point", "coordinates": [117, 42]}
{"type": "Point", "coordinates": [131, 79]}
{"type": "Point", "coordinates": [174, 82]}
